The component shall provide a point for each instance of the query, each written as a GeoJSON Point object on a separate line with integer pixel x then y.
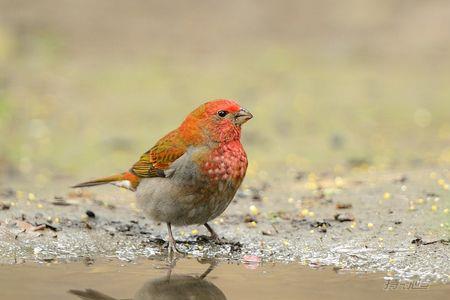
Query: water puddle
{"type": "Point", "coordinates": [194, 279]}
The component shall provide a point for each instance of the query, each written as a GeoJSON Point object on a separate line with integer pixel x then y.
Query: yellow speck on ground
{"type": "Point", "coordinates": [369, 225]}
{"type": "Point", "coordinates": [31, 197]}
{"type": "Point", "coordinates": [19, 194]}
{"type": "Point", "coordinates": [253, 210]}
{"type": "Point", "coordinates": [252, 224]}
{"type": "Point", "coordinates": [194, 232]}
{"type": "Point", "coordinates": [339, 182]}
{"type": "Point", "coordinates": [386, 196]}
{"type": "Point", "coordinates": [304, 212]}
{"type": "Point", "coordinates": [434, 207]}
{"type": "Point", "coordinates": [311, 185]}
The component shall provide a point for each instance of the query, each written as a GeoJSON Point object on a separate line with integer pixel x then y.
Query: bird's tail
{"type": "Point", "coordinates": [127, 180]}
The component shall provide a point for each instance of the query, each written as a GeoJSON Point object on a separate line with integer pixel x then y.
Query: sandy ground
{"type": "Point", "coordinates": [394, 222]}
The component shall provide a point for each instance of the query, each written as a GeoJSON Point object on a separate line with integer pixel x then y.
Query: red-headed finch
{"type": "Point", "coordinates": [191, 175]}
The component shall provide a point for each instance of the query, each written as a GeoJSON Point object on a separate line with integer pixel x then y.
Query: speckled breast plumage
{"type": "Point", "coordinates": [201, 186]}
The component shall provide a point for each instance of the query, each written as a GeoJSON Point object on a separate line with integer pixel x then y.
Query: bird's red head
{"type": "Point", "coordinates": [217, 120]}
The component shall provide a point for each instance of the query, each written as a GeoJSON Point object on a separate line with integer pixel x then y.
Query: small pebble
{"type": "Point", "coordinates": [344, 205]}
{"type": "Point", "coordinates": [90, 214]}
{"type": "Point", "coordinates": [31, 197]}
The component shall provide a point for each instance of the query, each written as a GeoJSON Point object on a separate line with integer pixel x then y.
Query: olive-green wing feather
{"type": "Point", "coordinates": [153, 162]}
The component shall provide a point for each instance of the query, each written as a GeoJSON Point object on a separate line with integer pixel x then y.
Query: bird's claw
{"type": "Point", "coordinates": [173, 251]}
{"type": "Point", "coordinates": [218, 240]}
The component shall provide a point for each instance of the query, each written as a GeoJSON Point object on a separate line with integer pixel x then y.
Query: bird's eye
{"type": "Point", "coordinates": [222, 113]}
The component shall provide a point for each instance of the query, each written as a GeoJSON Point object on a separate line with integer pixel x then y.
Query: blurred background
{"type": "Point", "coordinates": [87, 86]}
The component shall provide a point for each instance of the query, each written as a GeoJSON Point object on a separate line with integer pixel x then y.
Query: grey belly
{"type": "Point", "coordinates": [167, 200]}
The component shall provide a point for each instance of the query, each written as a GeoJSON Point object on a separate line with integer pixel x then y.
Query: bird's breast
{"type": "Point", "coordinates": [227, 162]}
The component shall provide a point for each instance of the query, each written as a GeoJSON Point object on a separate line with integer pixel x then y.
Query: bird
{"type": "Point", "coordinates": [190, 176]}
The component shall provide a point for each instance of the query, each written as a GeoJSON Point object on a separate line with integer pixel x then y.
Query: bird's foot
{"type": "Point", "coordinates": [216, 239]}
{"type": "Point", "coordinates": [219, 240]}
{"type": "Point", "coordinates": [210, 239]}
{"type": "Point", "coordinates": [173, 251]}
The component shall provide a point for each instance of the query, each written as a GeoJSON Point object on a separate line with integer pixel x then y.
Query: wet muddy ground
{"type": "Point", "coordinates": [396, 224]}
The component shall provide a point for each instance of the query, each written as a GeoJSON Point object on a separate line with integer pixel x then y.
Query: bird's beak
{"type": "Point", "coordinates": [242, 116]}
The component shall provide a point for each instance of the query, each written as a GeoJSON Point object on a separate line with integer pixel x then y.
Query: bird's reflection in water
{"type": "Point", "coordinates": [168, 287]}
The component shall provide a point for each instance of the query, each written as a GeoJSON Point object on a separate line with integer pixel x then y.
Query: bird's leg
{"type": "Point", "coordinates": [214, 236]}
{"type": "Point", "coordinates": [172, 249]}
{"type": "Point", "coordinates": [213, 263]}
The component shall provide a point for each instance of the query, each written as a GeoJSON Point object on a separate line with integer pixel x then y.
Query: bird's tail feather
{"type": "Point", "coordinates": [127, 180]}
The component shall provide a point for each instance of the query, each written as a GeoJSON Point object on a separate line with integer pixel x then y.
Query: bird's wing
{"type": "Point", "coordinates": [153, 162]}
